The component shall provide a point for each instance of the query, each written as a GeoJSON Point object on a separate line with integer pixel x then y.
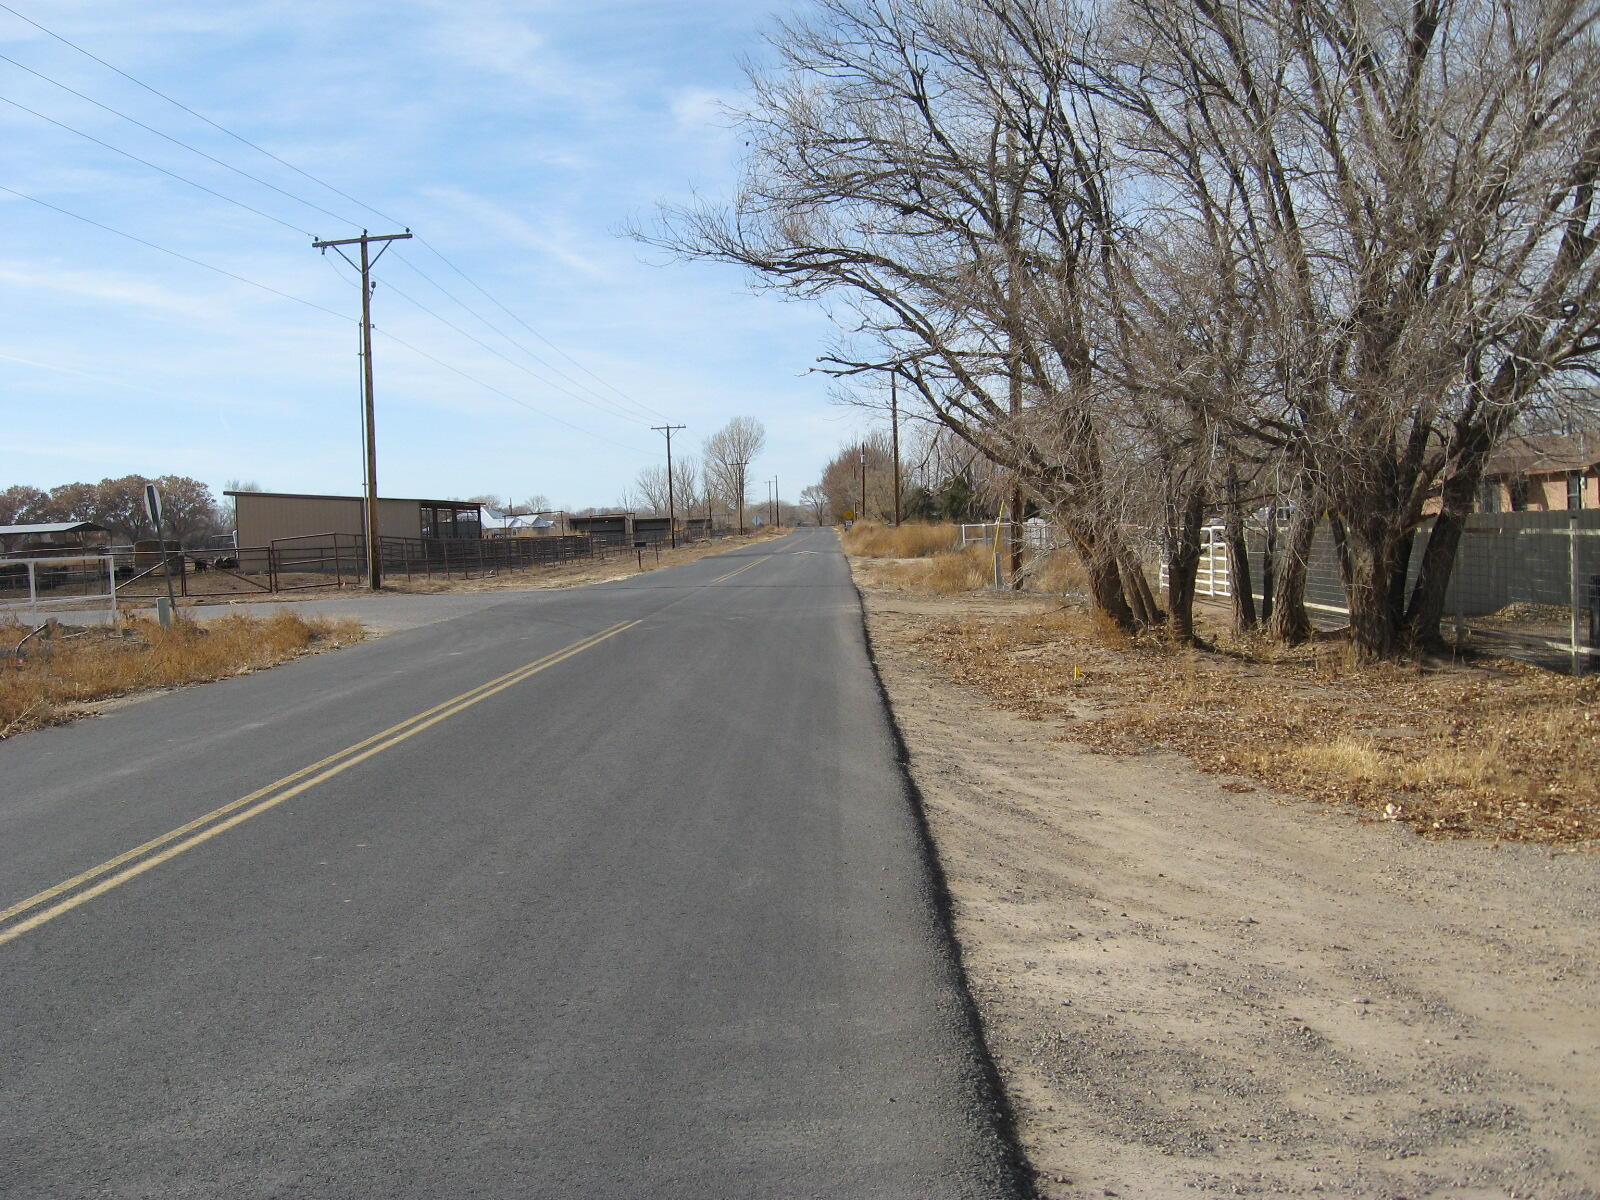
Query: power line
{"type": "Point", "coordinates": [544, 362]}
{"type": "Point", "coordinates": [155, 167]}
{"type": "Point", "coordinates": [312, 304]}
{"type": "Point", "coordinates": [117, 112]}
{"type": "Point", "coordinates": [433, 251]}
{"type": "Point", "coordinates": [199, 116]}
{"type": "Point", "coordinates": [503, 357]}
{"type": "Point", "coordinates": [174, 253]}
{"type": "Point", "coordinates": [240, 138]}
{"type": "Point", "coordinates": [507, 395]}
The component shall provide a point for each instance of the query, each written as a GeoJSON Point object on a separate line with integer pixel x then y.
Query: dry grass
{"type": "Point", "coordinates": [942, 571]}
{"type": "Point", "coordinates": [75, 668]}
{"type": "Point", "coordinates": [944, 574]}
{"type": "Point", "coordinates": [915, 539]}
{"type": "Point", "coordinates": [1493, 750]}
{"type": "Point", "coordinates": [1060, 572]}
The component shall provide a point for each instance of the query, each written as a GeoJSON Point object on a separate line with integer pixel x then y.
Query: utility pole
{"type": "Point", "coordinates": [894, 435]}
{"type": "Point", "coordinates": [777, 505]}
{"type": "Point", "coordinates": [1014, 370]}
{"type": "Point", "coordinates": [862, 514]}
{"type": "Point", "coordinates": [739, 469]}
{"type": "Point", "coordinates": [370, 437]}
{"type": "Point", "coordinates": [672, 502]}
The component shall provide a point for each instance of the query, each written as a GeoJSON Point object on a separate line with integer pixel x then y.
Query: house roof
{"type": "Point", "coordinates": [52, 527]}
{"type": "Point", "coordinates": [1546, 453]}
{"type": "Point", "coordinates": [495, 519]}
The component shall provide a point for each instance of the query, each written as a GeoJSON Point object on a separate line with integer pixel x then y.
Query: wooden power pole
{"type": "Point", "coordinates": [370, 436]}
{"type": "Point", "coordinates": [672, 499]}
{"type": "Point", "coordinates": [894, 438]}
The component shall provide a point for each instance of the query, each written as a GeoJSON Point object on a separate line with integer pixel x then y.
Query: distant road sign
{"type": "Point", "coordinates": [849, 514]}
{"type": "Point", "coordinates": [152, 506]}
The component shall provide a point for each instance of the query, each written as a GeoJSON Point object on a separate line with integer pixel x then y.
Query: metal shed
{"type": "Point", "coordinates": [52, 535]}
{"type": "Point", "coordinates": [265, 517]}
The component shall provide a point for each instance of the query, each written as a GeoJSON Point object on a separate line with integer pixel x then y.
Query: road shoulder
{"type": "Point", "coordinates": [1188, 990]}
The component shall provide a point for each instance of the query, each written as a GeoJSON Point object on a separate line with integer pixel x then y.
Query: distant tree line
{"type": "Point", "coordinates": [188, 506]}
{"type": "Point", "coordinates": [717, 483]}
{"type": "Point", "coordinates": [941, 479]}
{"type": "Point", "coordinates": [1173, 261]}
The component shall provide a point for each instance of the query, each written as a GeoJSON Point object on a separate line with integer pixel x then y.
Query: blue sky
{"type": "Point", "coordinates": [517, 138]}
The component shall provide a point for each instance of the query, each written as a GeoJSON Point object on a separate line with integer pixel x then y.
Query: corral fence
{"type": "Point", "coordinates": [77, 587]}
{"type": "Point", "coordinates": [1525, 583]}
{"type": "Point", "coordinates": [335, 559]}
{"type": "Point", "coordinates": [83, 582]}
{"type": "Point", "coordinates": [1036, 535]}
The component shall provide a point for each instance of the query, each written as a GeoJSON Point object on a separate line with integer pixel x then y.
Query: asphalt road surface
{"type": "Point", "coordinates": [608, 892]}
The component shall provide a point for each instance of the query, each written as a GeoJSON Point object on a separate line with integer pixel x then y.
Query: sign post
{"type": "Point", "coordinates": [152, 508]}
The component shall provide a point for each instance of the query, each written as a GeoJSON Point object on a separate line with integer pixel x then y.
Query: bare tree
{"type": "Point", "coordinates": [1168, 260]}
{"type": "Point", "coordinates": [814, 497]}
{"type": "Point", "coordinates": [727, 454]}
{"type": "Point", "coordinates": [926, 165]}
{"type": "Point", "coordinates": [649, 493]}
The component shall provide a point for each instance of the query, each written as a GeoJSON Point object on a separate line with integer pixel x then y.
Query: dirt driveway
{"type": "Point", "coordinates": [1195, 992]}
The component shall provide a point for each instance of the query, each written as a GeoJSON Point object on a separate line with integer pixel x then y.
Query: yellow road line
{"type": "Point", "coordinates": [328, 767]}
{"type": "Point", "coordinates": [746, 567]}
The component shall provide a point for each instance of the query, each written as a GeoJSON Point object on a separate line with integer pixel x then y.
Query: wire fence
{"type": "Point", "coordinates": [1525, 584]}
{"type": "Point", "coordinates": [89, 585]}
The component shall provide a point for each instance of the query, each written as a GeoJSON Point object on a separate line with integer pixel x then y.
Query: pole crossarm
{"type": "Point", "coordinates": [672, 499]}
{"type": "Point", "coordinates": [368, 430]}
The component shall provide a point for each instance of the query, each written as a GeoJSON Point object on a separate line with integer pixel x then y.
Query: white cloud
{"type": "Point", "coordinates": [102, 286]}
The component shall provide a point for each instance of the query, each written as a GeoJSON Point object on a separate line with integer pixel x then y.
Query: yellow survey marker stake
{"type": "Point", "coordinates": [202, 829]}
{"type": "Point", "coordinates": [746, 567]}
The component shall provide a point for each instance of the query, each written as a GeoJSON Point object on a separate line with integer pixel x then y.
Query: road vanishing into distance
{"type": "Point", "coordinates": [605, 892]}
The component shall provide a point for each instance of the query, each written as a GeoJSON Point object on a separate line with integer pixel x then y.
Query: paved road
{"type": "Point", "coordinates": [611, 892]}
{"type": "Point", "coordinates": [383, 614]}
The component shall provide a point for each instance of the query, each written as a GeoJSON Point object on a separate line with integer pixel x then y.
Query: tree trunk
{"type": "Point", "coordinates": [1244, 596]}
{"type": "Point", "coordinates": [1369, 551]}
{"type": "Point", "coordinates": [1099, 555]}
{"type": "Point", "coordinates": [1139, 586]}
{"type": "Point", "coordinates": [1183, 563]}
{"type": "Point", "coordinates": [1426, 608]}
{"type": "Point", "coordinates": [1398, 571]}
{"type": "Point", "coordinates": [1289, 623]}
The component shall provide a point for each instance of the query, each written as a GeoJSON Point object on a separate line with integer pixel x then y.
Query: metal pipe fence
{"type": "Point", "coordinates": [1524, 584]}
{"type": "Point", "coordinates": [82, 586]}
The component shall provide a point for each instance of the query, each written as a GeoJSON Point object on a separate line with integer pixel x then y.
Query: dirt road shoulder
{"type": "Point", "coordinates": [1190, 991]}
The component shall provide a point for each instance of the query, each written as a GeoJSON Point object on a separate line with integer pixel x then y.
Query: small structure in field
{"type": "Point", "coordinates": [53, 537]}
{"type": "Point", "coordinates": [266, 517]}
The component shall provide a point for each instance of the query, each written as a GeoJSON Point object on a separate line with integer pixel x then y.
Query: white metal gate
{"type": "Point", "coordinates": [78, 589]}
{"type": "Point", "coordinates": [1215, 574]}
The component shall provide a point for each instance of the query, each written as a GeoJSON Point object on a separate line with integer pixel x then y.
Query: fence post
{"type": "Point", "coordinates": [1575, 592]}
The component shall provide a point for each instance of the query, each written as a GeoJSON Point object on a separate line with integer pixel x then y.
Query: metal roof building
{"type": "Point", "coordinates": [49, 534]}
{"type": "Point", "coordinates": [265, 517]}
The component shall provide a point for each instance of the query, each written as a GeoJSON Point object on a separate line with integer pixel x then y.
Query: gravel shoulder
{"type": "Point", "coordinates": [1191, 991]}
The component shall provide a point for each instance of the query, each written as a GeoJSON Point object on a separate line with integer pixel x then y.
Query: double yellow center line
{"type": "Point", "coordinates": [45, 906]}
{"type": "Point", "coordinates": [753, 563]}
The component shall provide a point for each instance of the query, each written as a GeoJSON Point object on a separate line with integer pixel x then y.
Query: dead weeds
{"type": "Point", "coordinates": [1492, 749]}
{"type": "Point", "coordinates": [913, 539]}
{"type": "Point", "coordinates": [62, 673]}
